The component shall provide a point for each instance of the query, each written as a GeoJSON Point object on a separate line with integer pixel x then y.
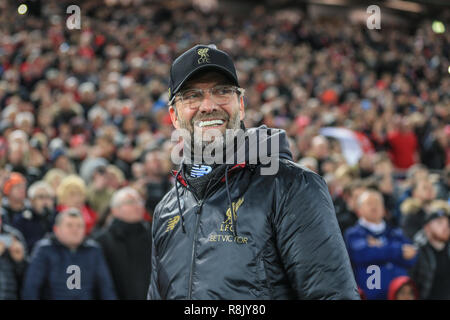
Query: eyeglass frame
{"type": "Point", "coordinates": [237, 89]}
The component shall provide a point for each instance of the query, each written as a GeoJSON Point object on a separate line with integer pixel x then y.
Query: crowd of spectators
{"type": "Point", "coordinates": [83, 117]}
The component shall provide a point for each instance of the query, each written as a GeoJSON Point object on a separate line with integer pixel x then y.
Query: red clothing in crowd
{"type": "Point", "coordinates": [403, 148]}
{"type": "Point", "coordinates": [397, 283]}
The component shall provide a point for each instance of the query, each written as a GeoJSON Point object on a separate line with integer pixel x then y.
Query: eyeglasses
{"type": "Point", "coordinates": [192, 98]}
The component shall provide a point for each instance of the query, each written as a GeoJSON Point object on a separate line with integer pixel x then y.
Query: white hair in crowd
{"type": "Point", "coordinates": [120, 194]}
{"type": "Point", "coordinates": [17, 135]}
{"type": "Point", "coordinates": [317, 140]}
{"type": "Point", "coordinates": [9, 110]}
{"type": "Point", "coordinates": [363, 197]}
{"type": "Point", "coordinates": [86, 87]}
{"type": "Point", "coordinates": [97, 111]}
{"type": "Point", "coordinates": [37, 186]}
{"type": "Point", "coordinates": [308, 162]}
{"type": "Point", "coordinates": [22, 117]}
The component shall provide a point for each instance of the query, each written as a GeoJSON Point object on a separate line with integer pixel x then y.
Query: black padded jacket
{"type": "Point", "coordinates": [279, 239]}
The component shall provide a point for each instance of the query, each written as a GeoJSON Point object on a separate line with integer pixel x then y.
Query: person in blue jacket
{"type": "Point", "coordinates": [378, 253]}
{"type": "Point", "coordinates": [66, 266]}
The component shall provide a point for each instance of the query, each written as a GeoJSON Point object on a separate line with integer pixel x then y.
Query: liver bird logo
{"type": "Point", "coordinates": [204, 56]}
{"type": "Point", "coordinates": [236, 206]}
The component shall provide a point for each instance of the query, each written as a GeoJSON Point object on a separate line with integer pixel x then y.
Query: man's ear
{"type": "Point", "coordinates": [241, 108]}
{"type": "Point", "coordinates": [357, 212]}
{"type": "Point", "coordinates": [174, 117]}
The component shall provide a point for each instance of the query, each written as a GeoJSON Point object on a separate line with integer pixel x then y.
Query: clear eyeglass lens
{"type": "Point", "coordinates": [222, 94]}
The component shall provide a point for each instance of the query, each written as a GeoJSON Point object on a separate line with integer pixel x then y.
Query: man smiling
{"type": "Point", "coordinates": [227, 230]}
{"type": "Point", "coordinates": [209, 115]}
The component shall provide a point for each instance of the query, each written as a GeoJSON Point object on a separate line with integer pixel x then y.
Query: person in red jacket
{"type": "Point", "coordinates": [403, 144]}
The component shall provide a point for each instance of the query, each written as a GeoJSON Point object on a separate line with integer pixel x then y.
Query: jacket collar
{"type": "Point", "coordinates": [233, 169]}
{"type": "Point", "coordinates": [55, 241]}
{"type": "Point", "coordinates": [375, 228]}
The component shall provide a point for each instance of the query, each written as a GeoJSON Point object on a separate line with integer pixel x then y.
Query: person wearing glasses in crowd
{"type": "Point", "coordinates": [234, 228]}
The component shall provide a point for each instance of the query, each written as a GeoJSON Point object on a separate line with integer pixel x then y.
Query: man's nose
{"type": "Point", "coordinates": [207, 105]}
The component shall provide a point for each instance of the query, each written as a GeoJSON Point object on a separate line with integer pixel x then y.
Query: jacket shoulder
{"type": "Point", "coordinates": [167, 203]}
{"type": "Point", "coordinates": [91, 244]}
{"type": "Point", "coordinates": [45, 244]}
{"type": "Point", "coordinates": [11, 230]}
{"type": "Point", "coordinates": [289, 166]}
{"type": "Point", "coordinates": [15, 232]}
{"type": "Point", "coordinates": [355, 231]}
{"type": "Point", "coordinates": [290, 172]}
{"type": "Point", "coordinates": [396, 232]}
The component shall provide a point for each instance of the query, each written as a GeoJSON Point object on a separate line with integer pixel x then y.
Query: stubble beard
{"type": "Point", "coordinates": [198, 139]}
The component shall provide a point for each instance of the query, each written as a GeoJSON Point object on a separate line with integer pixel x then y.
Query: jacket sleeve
{"type": "Point", "coordinates": [310, 243]}
{"type": "Point", "coordinates": [401, 240]}
{"type": "Point", "coordinates": [362, 254]}
{"type": "Point", "coordinates": [153, 291]}
{"type": "Point", "coordinates": [36, 274]}
{"type": "Point", "coordinates": [104, 282]}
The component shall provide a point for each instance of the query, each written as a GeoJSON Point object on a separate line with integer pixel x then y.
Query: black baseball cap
{"type": "Point", "coordinates": [200, 58]}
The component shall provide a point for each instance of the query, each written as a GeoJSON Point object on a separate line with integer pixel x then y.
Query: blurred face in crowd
{"type": "Point", "coordinates": [18, 192]}
{"type": "Point", "coordinates": [438, 229]}
{"type": "Point", "coordinates": [371, 207]}
{"type": "Point", "coordinates": [406, 292]}
{"type": "Point", "coordinates": [26, 126]}
{"type": "Point", "coordinates": [65, 132]}
{"type": "Point", "coordinates": [74, 197]}
{"type": "Point", "coordinates": [193, 119]}
{"type": "Point", "coordinates": [17, 153]}
{"type": "Point", "coordinates": [424, 191]}
{"type": "Point", "coordinates": [70, 231]}
{"type": "Point", "coordinates": [383, 167]}
{"type": "Point", "coordinates": [106, 147]}
{"type": "Point", "coordinates": [406, 125]}
{"type": "Point", "coordinates": [42, 199]}
{"type": "Point", "coordinates": [63, 163]}
{"type": "Point", "coordinates": [129, 125]}
{"type": "Point", "coordinates": [45, 118]}
{"type": "Point", "coordinates": [320, 147]}
{"type": "Point", "coordinates": [355, 193]}
{"type": "Point", "coordinates": [130, 208]}
{"type": "Point", "coordinates": [366, 162]}
{"type": "Point", "coordinates": [100, 179]}
{"type": "Point", "coordinates": [153, 163]}
{"type": "Point", "coordinates": [420, 174]}
{"type": "Point", "coordinates": [113, 180]}
{"type": "Point", "coordinates": [15, 156]}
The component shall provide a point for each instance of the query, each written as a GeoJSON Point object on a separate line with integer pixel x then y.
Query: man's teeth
{"type": "Point", "coordinates": [208, 123]}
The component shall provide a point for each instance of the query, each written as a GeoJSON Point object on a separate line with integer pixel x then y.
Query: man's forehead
{"type": "Point", "coordinates": [72, 219]}
{"type": "Point", "coordinates": [209, 77]}
{"type": "Point", "coordinates": [42, 191]}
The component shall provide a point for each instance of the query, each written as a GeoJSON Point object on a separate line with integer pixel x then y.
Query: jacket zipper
{"type": "Point", "coordinates": [194, 247]}
{"type": "Point", "coordinates": [199, 209]}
